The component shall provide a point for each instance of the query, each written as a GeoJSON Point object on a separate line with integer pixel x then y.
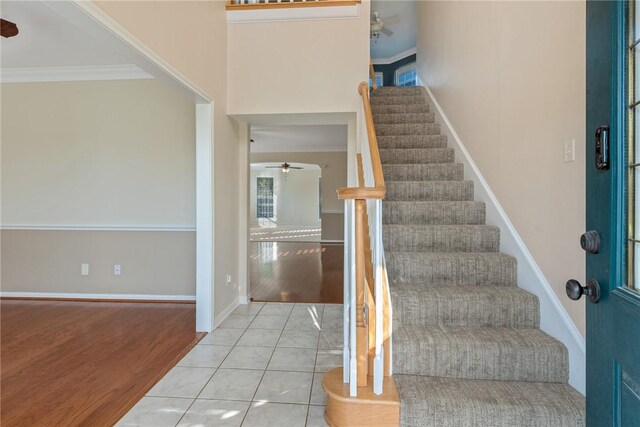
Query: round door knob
{"type": "Point", "coordinates": [590, 241]}
{"type": "Point", "coordinates": [575, 290]}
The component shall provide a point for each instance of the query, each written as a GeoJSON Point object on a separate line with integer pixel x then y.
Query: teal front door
{"type": "Point", "coordinates": [612, 243]}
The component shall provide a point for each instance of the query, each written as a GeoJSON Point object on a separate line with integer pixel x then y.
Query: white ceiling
{"type": "Point", "coordinates": [48, 40]}
{"type": "Point", "coordinates": [403, 24]}
{"type": "Point", "coordinates": [297, 138]}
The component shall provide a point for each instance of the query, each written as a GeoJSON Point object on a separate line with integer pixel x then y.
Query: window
{"type": "Point", "coordinates": [264, 197]}
{"type": "Point", "coordinates": [379, 79]}
{"type": "Point", "coordinates": [406, 75]}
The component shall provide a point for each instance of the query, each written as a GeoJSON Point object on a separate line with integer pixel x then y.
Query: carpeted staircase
{"type": "Point", "coordinates": [467, 348]}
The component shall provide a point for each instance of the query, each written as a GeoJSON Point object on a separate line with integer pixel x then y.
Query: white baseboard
{"type": "Point", "coordinates": [554, 319]}
{"type": "Point", "coordinates": [245, 299]}
{"type": "Point", "coordinates": [132, 297]}
{"type": "Point", "coordinates": [226, 312]}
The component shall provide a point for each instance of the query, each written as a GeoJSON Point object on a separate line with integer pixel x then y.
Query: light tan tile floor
{"type": "Point", "coordinates": [262, 367]}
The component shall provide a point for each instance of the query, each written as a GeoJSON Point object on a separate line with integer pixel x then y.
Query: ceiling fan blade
{"type": "Point", "coordinates": [295, 167]}
{"type": "Point", "coordinates": [273, 167]}
{"type": "Point", "coordinates": [386, 31]}
{"type": "Point", "coordinates": [8, 29]}
{"type": "Point", "coordinates": [391, 20]}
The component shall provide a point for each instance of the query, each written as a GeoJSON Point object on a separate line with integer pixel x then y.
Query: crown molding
{"type": "Point", "coordinates": [394, 58]}
{"type": "Point", "coordinates": [293, 14]}
{"type": "Point", "coordinates": [71, 74]}
{"type": "Point", "coordinates": [77, 227]}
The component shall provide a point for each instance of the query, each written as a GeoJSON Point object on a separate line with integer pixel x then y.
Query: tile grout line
{"type": "Point", "coordinates": [217, 369]}
{"type": "Point", "coordinates": [267, 366]}
{"type": "Point", "coordinates": [236, 345]}
{"type": "Point", "coordinates": [315, 364]}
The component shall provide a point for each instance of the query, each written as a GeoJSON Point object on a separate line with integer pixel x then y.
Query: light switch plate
{"type": "Point", "coordinates": [84, 269]}
{"type": "Point", "coordinates": [570, 151]}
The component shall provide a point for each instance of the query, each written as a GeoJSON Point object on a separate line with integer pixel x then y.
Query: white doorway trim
{"type": "Point", "coordinates": [106, 30]}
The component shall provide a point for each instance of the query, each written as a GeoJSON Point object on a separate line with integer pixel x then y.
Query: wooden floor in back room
{"type": "Point", "coordinates": [296, 272]}
{"type": "Point", "coordinates": [67, 363]}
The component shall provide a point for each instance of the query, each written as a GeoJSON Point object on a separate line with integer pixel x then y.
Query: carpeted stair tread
{"type": "Point", "coordinates": [403, 117]}
{"type": "Point", "coordinates": [452, 268]}
{"type": "Point", "coordinates": [399, 100]}
{"type": "Point", "coordinates": [429, 190]}
{"type": "Point", "coordinates": [416, 155]}
{"type": "Point", "coordinates": [445, 305]}
{"type": "Point", "coordinates": [440, 238]}
{"type": "Point", "coordinates": [411, 141]}
{"type": "Point", "coordinates": [467, 348]}
{"type": "Point", "coordinates": [423, 172]}
{"type": "Point", "coordinates": [399, 108]}
{"type": "Point", "coordinates": [445, 213]}
{"type": "Point", "coordinates": [505, 354]}
{"type": "Point", "coordinates": [407, 129]}
{"type": "Point", "coordinates": [449, 402]}
{"type": "Point", "coordinates": [398, 91]}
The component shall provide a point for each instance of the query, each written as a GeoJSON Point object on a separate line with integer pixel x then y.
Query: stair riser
{"type": "Point", "coordinates": [425, 172]}
{"type": "Point", "coordinates": [403, 238]}
{"type": "Point", "coordinates": [408, 129]}
{"type": "Point", "coordinates": [424, 308]}
{"type": "Point", "coordinates": [417, 156]}
{"type": "Point", "coordinates": [433, 212]}
{"type": "Point", "coordinates": [399, 108]}
{"type": "Point", "coordinates": [486, 361]}
{"type": "Point", "coordinates": [399, 100]}
{"type": "Point", "coordinates": [391, 118]}
{"type": "Point", "coordinates": [412, 141]}
{"type": "Point", "coordinates": [430, 191]}
{"type": "Point", "coordinates": [451, 270]}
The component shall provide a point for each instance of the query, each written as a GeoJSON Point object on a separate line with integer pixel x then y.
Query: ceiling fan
{"type": "Point", "coordinates": [378, 26]}
{"type": "Point", "coordinates": [285, 167]}
{"type": "Point", "coordinates": [8, 28]}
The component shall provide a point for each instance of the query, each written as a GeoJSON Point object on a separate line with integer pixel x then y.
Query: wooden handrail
{"type": "Point", "coordinates": [378, 191]}
{"type": "Point", "coordinates": [366, 285]}
{"type": "Point", "coordinates": [372, 75]}
{"type": "Point", "coordinates": [378, 178]}
{"type": "Point", "coordinates": [282, 4]}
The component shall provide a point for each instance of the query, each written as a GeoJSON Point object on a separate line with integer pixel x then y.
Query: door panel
{"type": "Point", "coordinates": [613, 324]}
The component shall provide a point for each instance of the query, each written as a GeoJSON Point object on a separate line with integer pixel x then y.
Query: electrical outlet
{"type": "Point", "coordinates": [117, 270]}
{"type": "Point", "coordinates": [570, 151]}
{"type": "Point", "coordinates": [84, 269]}
{"type": "Point", "coordinates": [228, 279]}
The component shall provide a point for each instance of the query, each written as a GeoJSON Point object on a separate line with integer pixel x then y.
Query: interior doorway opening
{"type": "Point", "coordinates": [295, 221]}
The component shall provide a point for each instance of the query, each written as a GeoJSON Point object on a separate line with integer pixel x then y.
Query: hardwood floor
{"type": "Point", "coordinates": [85, 363]}
{"type": "Point", "coordinates": [296, 272]}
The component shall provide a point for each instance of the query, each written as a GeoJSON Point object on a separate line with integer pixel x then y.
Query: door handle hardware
{"type": "Point", "coordinates": [590, 241]}
{"type": "Point", "coordinates": [602, 148]}
{"type": "Point", "coordinates": [575, 290]}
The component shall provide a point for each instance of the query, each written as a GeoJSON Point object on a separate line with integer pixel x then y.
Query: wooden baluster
{"type": "Point", "coordinates": [386, 325]}
{"type": "Point", "coordinates": [361, 327]}
{"type": "Point", "coordinates": [369, 279]}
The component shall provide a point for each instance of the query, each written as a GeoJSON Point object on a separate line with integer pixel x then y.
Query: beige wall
{"type": "Point", "coordinates": [153, 263]}
{"type": "Point", "coordinates": [304, 66]}
{"type": "Point", "coordinates": [110, 153]}
{"type": "Point", "coordinates": [192, 37]}
{"type": "Point", "coordinates": [511, 78]}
